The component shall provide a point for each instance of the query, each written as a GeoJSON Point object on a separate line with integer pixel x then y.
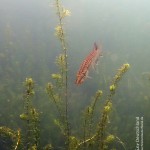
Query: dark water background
{"type": "Point", "coordinates": [28, 48]}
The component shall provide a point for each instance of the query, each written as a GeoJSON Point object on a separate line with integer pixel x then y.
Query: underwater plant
{"type": "Point", "coordinates": [31, 117]}
{"type": "Point", "coordinates": [58, 93]}
{"type": "Point", "coordinates": [13, 138]}
{"type": "Point", "coordinates": [108, 105]}
{"type": "Point", "coordinates": [101, 139]}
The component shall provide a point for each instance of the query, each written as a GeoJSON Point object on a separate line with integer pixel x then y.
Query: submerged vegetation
{"type": "Point", "coordinates": [94, 132]}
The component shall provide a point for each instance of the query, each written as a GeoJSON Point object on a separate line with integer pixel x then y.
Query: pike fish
{"type": "Point", "coordinates": [90, 61]}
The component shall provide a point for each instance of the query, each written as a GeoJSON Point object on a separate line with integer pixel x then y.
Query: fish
{"type": "Point", "coordinates": [90, 61]}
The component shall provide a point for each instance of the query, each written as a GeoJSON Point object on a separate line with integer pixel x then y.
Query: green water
{"type": "Point", "coordinates": [28, 48]}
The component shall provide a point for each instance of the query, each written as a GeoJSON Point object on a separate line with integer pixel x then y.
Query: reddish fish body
{"type": "Point", "coordinates": [90, 60]}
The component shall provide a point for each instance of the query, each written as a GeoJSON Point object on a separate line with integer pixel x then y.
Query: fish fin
{"type": "Point", "coordinates": [95, 67]}
{"type": "Point", "coordinates": [87, 75]}
{"type": "Point", "coordinates": [95, 64]}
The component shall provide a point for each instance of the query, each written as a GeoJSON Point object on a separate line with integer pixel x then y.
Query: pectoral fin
{"type": "Point", "coordinates": [95, 66]}
{"type": "Point", "coordinates": [87, 75]}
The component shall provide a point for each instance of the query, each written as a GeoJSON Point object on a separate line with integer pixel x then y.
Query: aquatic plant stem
{"type": "Point", "coordinates": [51, 94]}
{"type": "Point", "coordinates": [30, 116]}
{"type": "Point", "coordinates": [108, 105]}
{"type": "Point", "coordinates": [88, 120]}
{"type": "Point", "coordinates": [15, 137]}
{"type": "Point", "coordinates": [18, 140]}
{"type": "Point", "coordinates": [102, 126]}
{"type": "Point", "coordinates": [28, 121]}
{"type": "Point", "coordinates": [86, 141]}
{"type": "Point", "coordinates": [64, 47]}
